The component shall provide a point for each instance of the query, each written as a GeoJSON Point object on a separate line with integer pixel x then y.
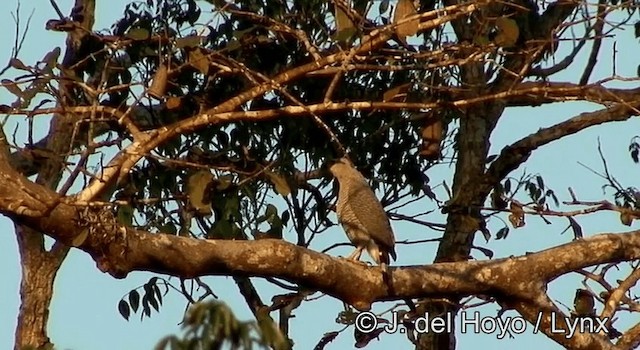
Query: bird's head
{"type": "Point", "coordinates": [339, 166]}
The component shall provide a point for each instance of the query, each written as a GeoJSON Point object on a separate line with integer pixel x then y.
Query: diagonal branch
{"type": "Point", "coordinates": [120, 166]}
{"type": "Point", "coordinates": [512, 156]}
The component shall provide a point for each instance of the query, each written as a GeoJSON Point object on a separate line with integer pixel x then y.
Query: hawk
{"type": "Point", "coordinates": [361, 215]}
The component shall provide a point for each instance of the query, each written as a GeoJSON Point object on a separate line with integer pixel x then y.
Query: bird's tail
{"type": "Point", "coordinates": [386, 274]}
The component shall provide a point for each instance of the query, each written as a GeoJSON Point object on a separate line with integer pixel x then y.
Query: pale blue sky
{"type": "Point", "coordinates": [84, 314]}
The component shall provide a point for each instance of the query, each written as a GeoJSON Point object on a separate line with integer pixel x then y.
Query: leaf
{"type": "Point", "coordinates": [497, 198]}
{"type": "Point", "coordinates": [431, 134]}
{"type": "Point", "coordinates": [446, 188]}
{"type": "Point", "coordinates": [280, 183]}
{"type": "Point", "coordinates": [18, 64]}
{"type": "Point", "coordinates": [405, 9]}
{"type": "Point", "coordinates": [487, 252]}
{"type": "Point", "coordinates": [383, 7]}
{"type": "Point", "coordinates": [196, 185]}
{"type": "Point", "coordinates": [270, 332]}
{"type": "Point", "coordinates": [346, 317]}
{"type": "Point", "coordinates": [517, 215]}
{"type": "Point", "coordinates": [124, 310]}
{"type": "Point", "coordinates": [146, 310]}
{"type": "Point", "coordinates": [189, 41]}
{"type": "Point", "coordinates": [125, 215]}
{"type": "Point", "coordinates": [12, 87]}
{"type": "Point", "coordinates": [173, 102]}
{"type": "Point", "coordinates": [285, 217]}
{"type": "Point", "coordinates": [158, 86]}
{"type": "Point", "coordinates": [502, 233]}
{"type": "Point", "coordinates": [508, 32]}
{"type": "Point", "coordinates": [583, 303]}
{"type": "Point", "coordinates": [551, 194]}
{"type": "Point", "coordinates": [138, 34]}
{"type": "Point", "coordinates": [169, 229]}
{"type": "Point", "coordinates": [637, 30]}
{"type": "Point", "coordinates": [51, 59]}
{"type": "Point", "coordinates": [634, 147]}
{"type": "Point", "coordinates": [345, 28]}
{"type": "Point", "coordinates": [233, 45]}
{"type": "Point", "coordinates": [485, 233]}
{"type": "Point", "coordinates": [626, 218]}
{"type": "Point", "coordinates": [577, 229]}
{"type": "Point", "coordinates": [481, 40]}
{"type": "Point", "coordinates": [540, 182]}
{"type": "Point", "coordinates": [362, 339]}
{"type": "Point", "coordinates": [80, 238]}
{"type": "Point", "coordinates": [397, 93]}
{"type": "Point", "coordinates": [158, 294]}
{"type": "Point", "coordinates": [326, 339]}
{"type": "Point", "coordinates": [151, 299]}
{"type": "Point", "coordinates": [199, 60]}
{"type": "Point", "coordinates": [134, 300]}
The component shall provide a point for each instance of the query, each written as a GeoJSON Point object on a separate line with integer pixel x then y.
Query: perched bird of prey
{"type": "Point", "coordinates": [361, 215]}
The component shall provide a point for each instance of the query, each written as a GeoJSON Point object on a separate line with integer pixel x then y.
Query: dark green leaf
{"type": "Point", "coordinates": [189, 41]}
{"type": "Point", "coordinates": [551, 194]}
{"type": "Point", "coordinates": [577, 229]}
{"type": "Point", "coordinates": [134, 300]}
{"type": "Point", "coordinates": [502, 233]}
{"type": "Point", "coordinates": [169, 229]}
{"type": "Point", "coordinates": [146, 309]}
{"type": "Point", "coordinates": [540, 182]}
{"type": "Point", "coordinates": [485, 251]}
{"type": "Point", "coordinates": [138, 34]}
{"type": "Point", "coordinates": [124, 310]}
{"type": "Point", "coordinates": [507, 186]}
{"type": "Point", "coordinates": [125, 215]}
{"type": "Point", "coordinates": [634, 147]}
{"type": "Point", "coordinates": [384, 6]}
{"type": "Point", "coordinates": [486, 234]}
{"type": "Point", "coordinates": [158, 294]}
{"type": "Point", "coordinates": [285, 217]}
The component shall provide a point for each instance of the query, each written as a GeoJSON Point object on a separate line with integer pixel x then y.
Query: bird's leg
{"type": "Point", "coordinates": [356, 254]}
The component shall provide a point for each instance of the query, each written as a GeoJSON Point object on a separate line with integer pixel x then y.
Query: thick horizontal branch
{"type": "Point", "coordinates": [119, 251]}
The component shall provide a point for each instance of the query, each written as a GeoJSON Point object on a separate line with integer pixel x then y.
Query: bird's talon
{"type": "Point", "coordinates": [363, 263]}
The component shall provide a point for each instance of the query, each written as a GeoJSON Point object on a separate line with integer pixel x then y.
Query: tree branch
{"type": "Point", "coordinates": [512, 156]}
{"type": "Point", "coordinates": [120, 251]}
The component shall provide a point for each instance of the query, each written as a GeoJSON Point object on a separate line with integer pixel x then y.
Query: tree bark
{"type": "Point", "coordinates": [39, 266]}
{"type": "Point", "coordinates": [39, 269]}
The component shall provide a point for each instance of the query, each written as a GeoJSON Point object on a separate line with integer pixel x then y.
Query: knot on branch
{"type": "Point", "coordinates": [103, 233]}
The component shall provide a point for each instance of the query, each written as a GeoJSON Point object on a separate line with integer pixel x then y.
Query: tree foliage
{"type": "Point", "coordinates": [191, 136]}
